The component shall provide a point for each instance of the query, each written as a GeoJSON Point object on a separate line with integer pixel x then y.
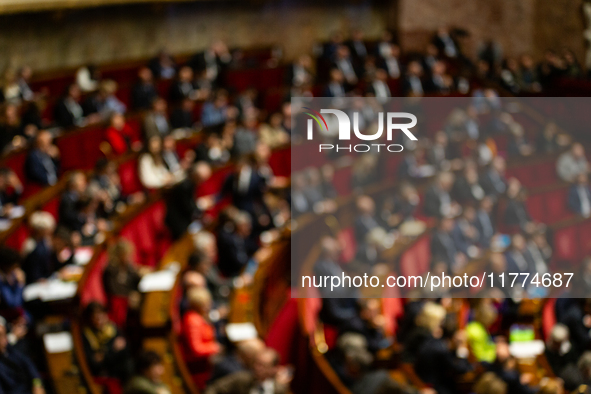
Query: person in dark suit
{"type": "Point", "coordinates": [443, 248]}
{"type": "Point", "coordinates": [466, 189]}
{"type": "Point", "coordinates": [516, 213]}
{"type": "Point", "coordinates": [389, 61]}
{"type": "Point", "coordinates": [379, 86]}
{"type": "Point", "coordinates": [235, 245]}
{"type": "Point", "coordinates": [68, 112]}
{"type": "Point", "coordinates": [42, 163]}
{"type": "Point", "coordinates": [357, 46]}
{"type": "Point", "coordinates": [18, 374]}
{"type": "Point", "coordinates": [212, 62]}
{"type": "Point", "coordinates": [518, 259]}
{"type": "Point", "coordinates": [163, 66]}
{"type": "Point", "coordinates": [11, 189]}
{"type": "Point", "coordinates": [365, 221]}
{"type": "Point", "coordinates": [70, 214]}
{"type": "Point", "coordinates": [493, 180]}
{"type": "Point", "coordinates": [246, 186]}
{"type": "Point", "coordinates": [579, 196]}
{"type": "Point", "coordinates": [465, 235]}
{"type": "Point", "coordinates": [37, 263]}
{"type": "Point", "coordinates": [438, 82]}
{"type": "Point", "coordinates": [344, 63]}
{"type": "Point", "coordinates": [438, 202]}
{"type": "Point", "coordinates": [430, 58]}
{"type": "Point", "coordinates": [182, 115]}
{"type": "Point", "coordinates": [445, 43]}
{"type": "Point", "coordinates": [144, 92]}
{"type": "Point", "coordinates": [412, 83]}
{"type": "Point", "coordinates": [264, 376]}
{"type": "Point", "coordinates": [300, 72]}
{"type": "Point", "coordinates": [183, 87]}
{"type": "Point", "coordinates": [484, 223]}
{"type": "Point", "coordinates": [335, 86]}
{"type": "Point", "coordinates": [181, 205]}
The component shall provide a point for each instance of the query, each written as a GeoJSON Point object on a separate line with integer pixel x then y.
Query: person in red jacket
{"type": "Point", "coordinates": [199, 335]}
{"type": "Point", "coordinates": [120, 135]}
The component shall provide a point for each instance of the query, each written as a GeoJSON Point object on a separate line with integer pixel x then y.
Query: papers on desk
{"type": "Point", "coordinates": [160, 280]}
{"type": "Point", "coordinates": [50, 290]}
{"type": "Point", "coordinates": [237, 332]}
{"type": "Point", "coordinates": [16, 212]}
{"type": "Point", "coordinates": [59, 342]}
{"type": "Point", "coordinates": [83, 255]}
{"type": "Point", "coordinates": [5, 224]}
{"type": "Point", "coordinates": [529, 349]}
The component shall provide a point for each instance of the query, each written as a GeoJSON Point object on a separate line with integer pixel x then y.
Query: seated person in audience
{"type": "Point", "coordinates": [438, 81]}
{"type": "Point", "coordinates": [579, 196]}
{"type": "Point", "coordinates": [410, 167]}
{"type": "Point", "coordinates": [379, 86]}
{"type": "Point", "coordinates": [335, 86]}
{"type": "Point", "coordinates": [182, 115]}
{"type": "Point", "coordinates": [484, 223]}
{"type": "Point", "coordinates": [203, 261]}
{"type": "Point", "coordinates": [264, 376]}
{"type": "Point", "coordinates": [516, 213]}
{"type": "Point", "coordinates": [272, 133]}
{"type": "Point", "coordinates": [505, 367]}
{"type": "Point", "coordinates": [425, 318]}
{"type": "Point", "coordinates": [144, 92]}
{"type": "Point", "coordinates": [518, 258]}
{"type": "Point", "coordinates": [479, 339]}
{"type": "Point", "coordinates": [183, 87]}
{"type": "Point", "coordinates": [518, 144]}
{"type": "Point", "coordinates": [573, 313]}
{"type": "Point", "coordinates": [366, 218]}
{"type": "Point", "coordinates": [412, 83]}
{"type": "Point", "coordinates": [38, 263]}
{"type": "Point", "coordinates": [153, 172]}
{"type": "Point", "coordinates": [235, 246]}
{"type": "Point", "coordinates": [489, 383]}
{"type": "Point", "coordinates": [69, 113]}
{"type": "Point", "coordinates": [120, 135]}
{"type": "Point", "coordinates": [173, 162]}
{"type": "Point", "coordinates": [11, 128]}
{"type": "Point", "coordinates": [70, 214]}
{"type": "Point", "coordinates": [18, 374]}
{"type": "Point", "coordinates": [301, 72]}
{"type": "Point", "coordinates": [212, 62]}
{"type": "Point", "coordinates": [550, 140]}
{"type": "Point", "coordinates": [299, 202]}
{"type": "Point", "coordinates": [182, 206]}
{"type": "Point", "coordinates": [163, 65]}
{"type": "Point", "coordinates": [559, 351]}
{"type": "Point", "coordinates": [465, 234]}
{"type": "Point", "coordinates": [539, 251]}
{"type": "Point", "coordinates": [156, 121]}
{"type": "Point", "coordinates": [42, 163]}
{"type": "Point", "coordinates": [11, 189]}
{"type": "Point", "coordinates": [245, 137]}
{"type": "Point", "coordinates": [314, 192]}
{"type": "Point", "coordinates": [467, 189]}
{"type": "Point", "coordinates": [121, 279]}
{"type": "Point", "coordinates": [106, 185]}
{"type": "Point", "coordinates": [344, 64]}
{"type": "Point", "coordinates": [438, 201]}
{"type": "Point", "coordinates": [148, 380]}
{"type": "Point", "coordinates": [237, 357]}
{"type": "Point", "coordinates": [389, 60]}
{"type": "Point", "coordinates": [444, 253]}
{"type": "Point", "coordinates": [372, 328]}
{"type": "Point", "coordinates": [104, 102]}
{"type": "Point", "coordinates": [212, 150]}
{"type": "Point", "coordinates": [438, 155]}
{"type": "Point", "coordinates": [400, 208]}
{"type": "Point", "coordinates": [199, 335]}
{"type": "Point", "coordinates": [246, 185]}
{"type": "Point", "coordinates": [12, 280]}
{"type": "Point", "coordinates": [217, 110]}
{"type": "Point", "coordinates": [572, 163]}
{"type": "Point", "coordinates": [105, 348]}
{"type": "Point", "coordinates": [493, 180]}
{"type": "Point", "coordinates": [440, 362]}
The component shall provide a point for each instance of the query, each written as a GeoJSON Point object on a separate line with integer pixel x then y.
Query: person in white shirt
{"type": "Point", "coordinates": [153, 172]}
{"type": "Point", "coordinates": [572, 163]}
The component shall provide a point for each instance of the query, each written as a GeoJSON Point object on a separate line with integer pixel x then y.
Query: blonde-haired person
{"type": "Point", "coordinates": [489, 383]}
{"type": "Point", "coordinates": [199, 335]}
{"type": "Point", "coordinates": [37, 249]}
{"type": "Point", "coordinates": [479, 339]}
{"type": "Point", "coordinates": [427, 324]}
{"type": "Point", "coordinates": [121, 279]}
